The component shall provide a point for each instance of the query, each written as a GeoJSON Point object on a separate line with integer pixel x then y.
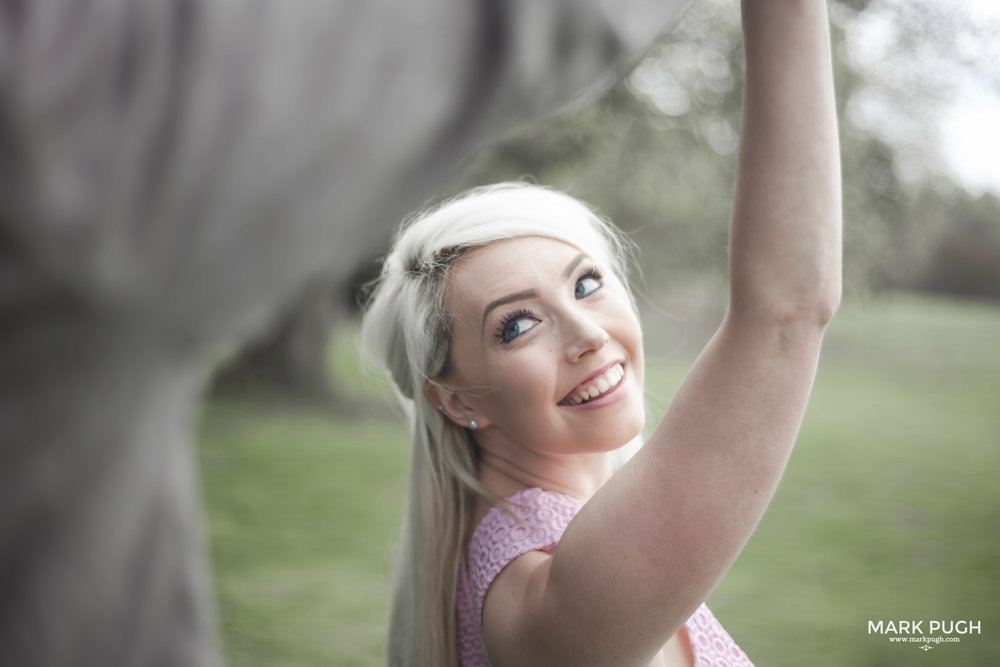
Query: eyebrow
{"type": "Point", "coordinates": [528, 293]}
{"type": "Point", "coordinates": [572, 265]}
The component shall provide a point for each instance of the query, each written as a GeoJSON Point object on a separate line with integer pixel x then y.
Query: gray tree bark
{"type": "Point", "coordinates": [170, 171]}
{"type": "Point", "coordinates": [288, 358]}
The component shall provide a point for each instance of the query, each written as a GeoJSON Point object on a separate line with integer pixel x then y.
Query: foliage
{"type": "Point", "coordinates": [656, 154]}
{"type": "Point", "coordinates": [966, 259]}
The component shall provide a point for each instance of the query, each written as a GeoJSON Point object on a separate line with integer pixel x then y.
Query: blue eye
{"type": "Point", "coordinates": [588, 283]}
{"type": "Point", "coordinates": [514, 324]}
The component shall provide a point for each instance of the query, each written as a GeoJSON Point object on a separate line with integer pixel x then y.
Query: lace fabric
{"type": "Point", "coordinates": [544, 516]}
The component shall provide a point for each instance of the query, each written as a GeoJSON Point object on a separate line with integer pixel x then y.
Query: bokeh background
{"type": "Point", "coordinates": [890, 507]}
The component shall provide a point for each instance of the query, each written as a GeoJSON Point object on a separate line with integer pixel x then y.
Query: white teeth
{"type": "Point", "coordinates": [601, 385]}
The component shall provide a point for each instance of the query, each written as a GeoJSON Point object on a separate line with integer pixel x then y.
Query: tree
{"type": "Point", "coordinates": [288, 358]}
{"type": "Point", "coordinates": [656, 155]}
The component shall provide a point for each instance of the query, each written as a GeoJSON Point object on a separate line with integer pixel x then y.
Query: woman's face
{"type": "Point", "coordinates": [536, 327]}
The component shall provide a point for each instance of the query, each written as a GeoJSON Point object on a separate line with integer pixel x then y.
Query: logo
{"type": "Point", "coordinates": [927, 634]}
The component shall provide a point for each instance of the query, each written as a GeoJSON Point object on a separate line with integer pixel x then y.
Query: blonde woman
{"type": "Point", "coordinates": [506, 323]}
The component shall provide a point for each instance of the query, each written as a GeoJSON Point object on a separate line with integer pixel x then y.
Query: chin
{"type": "Point", "coordinates": [636, 422]}
{"type": "Point", "coordinates": [622, 455]}
{"type": "Point", "coordinates": [623, 435]}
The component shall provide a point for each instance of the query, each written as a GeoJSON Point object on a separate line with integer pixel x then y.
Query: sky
{"type": "Point", "coordinates": [971, 133]}
{"type": "Point", "coordinates": [971, 128]}
{"type": "Point", "coordinates": [969, 125]}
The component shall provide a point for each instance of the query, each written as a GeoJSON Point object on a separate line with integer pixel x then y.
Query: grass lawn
{"type": "Point", "coordinates": [889, 509]}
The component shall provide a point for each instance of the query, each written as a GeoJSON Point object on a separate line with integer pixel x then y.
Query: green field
{"type": "Point", "coordinates": [889, 509]}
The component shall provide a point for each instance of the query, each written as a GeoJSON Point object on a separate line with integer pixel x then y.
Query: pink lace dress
{"type": "Point", "coordinates": [499, 539]}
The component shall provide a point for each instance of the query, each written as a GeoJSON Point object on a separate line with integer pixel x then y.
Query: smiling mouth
{"type": "Point", "coordinates": [596, 387]}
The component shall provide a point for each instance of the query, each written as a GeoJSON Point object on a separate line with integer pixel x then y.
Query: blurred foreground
{"type": "Point", "coordinates": [888, 510]}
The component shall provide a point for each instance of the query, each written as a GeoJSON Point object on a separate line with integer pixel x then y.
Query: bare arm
{"type": "Point", "coordinates": [655, 540]}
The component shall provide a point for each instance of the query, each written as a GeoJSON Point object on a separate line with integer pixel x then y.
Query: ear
{"type": "Point", "coordinates": [451, 402]}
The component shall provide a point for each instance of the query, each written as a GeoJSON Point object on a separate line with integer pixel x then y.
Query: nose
{"type": "Point", "coordinates": [583, 337]}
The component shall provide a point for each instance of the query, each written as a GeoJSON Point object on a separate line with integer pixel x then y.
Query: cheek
{"type": "Point", "coordinates": [631, 332]}
{"type": "Point", "coordinates": [519, 385]}
{"type": "Point", "coordinates": [632, 336]}
{"type": "Point", "coordinates": [528, 377]}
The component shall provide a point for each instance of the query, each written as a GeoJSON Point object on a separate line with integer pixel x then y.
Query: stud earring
{"type": "Point", "coordinates": [473, 424]}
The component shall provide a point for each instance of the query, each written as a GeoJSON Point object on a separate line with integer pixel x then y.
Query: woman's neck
{"type": "Point", "coordinates": [576, 475]}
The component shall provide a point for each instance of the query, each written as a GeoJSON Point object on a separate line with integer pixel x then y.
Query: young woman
{"type": "Point", "coordinates": [505, 321]}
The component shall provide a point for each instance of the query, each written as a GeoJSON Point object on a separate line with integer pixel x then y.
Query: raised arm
{"type": "Point", "coordinates": [785, 235]}
{"type": "Point", "coordinates": [653, 542]}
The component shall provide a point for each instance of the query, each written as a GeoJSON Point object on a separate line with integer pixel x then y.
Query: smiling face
{"type": "Point", "coordinates": [546, 351]}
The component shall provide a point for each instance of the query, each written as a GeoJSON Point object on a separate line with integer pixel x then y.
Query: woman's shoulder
{"type": "Point", "coordinates": [526, 514]}
{"type": "Point", "coordinates": [529, 520]}
{"type": "Point", "coordinates": [542, 506]}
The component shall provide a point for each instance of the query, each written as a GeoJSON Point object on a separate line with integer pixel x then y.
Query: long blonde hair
{"type": "Point", "coordinates": [406, 332]}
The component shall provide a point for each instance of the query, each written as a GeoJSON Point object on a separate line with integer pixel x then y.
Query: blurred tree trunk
{"type": "Point", "coordinates": [289, 357]}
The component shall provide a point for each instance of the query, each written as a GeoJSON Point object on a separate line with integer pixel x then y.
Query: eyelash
{"type": "Point", "coordinates": [511, 317]}
{"type": "Point", "coordinates": [591, 272]}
